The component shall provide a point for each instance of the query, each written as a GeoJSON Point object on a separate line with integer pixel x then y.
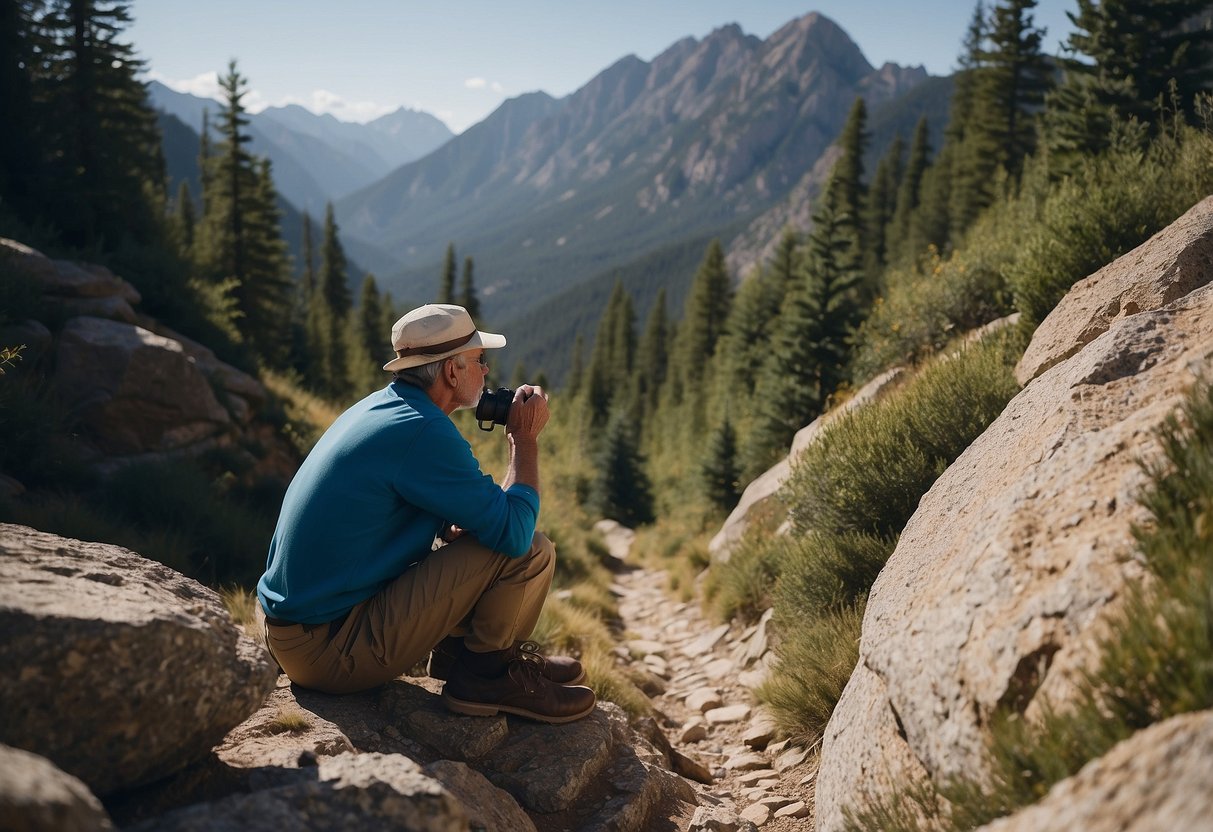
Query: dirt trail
{"type": "Point", "coordinates": [695, 673]}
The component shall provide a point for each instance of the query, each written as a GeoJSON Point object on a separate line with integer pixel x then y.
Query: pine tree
{"type": "Point", "coordinates": [99, 140]}
{"type": "Point", "coordinates": [446, 289]}
{"type": "Point", "coordinates": [576, 366]}
{"type": "Point", "coordinates": [881, 205]}
{"type": "Point", "coordinates": [652, 357]}
{"type": "Point", "coordinates": [21, 165]}
{"type": "Point", "coordinates": [847, 175]}
{"type": "Point", "coordinates": [963, 149]}
{"type": "Point", "coordinates": [707, 309]}
{"type": "Point", "coordinates": [719, 472]}
{"type": "Point", "coordinates": [1121, 59]}
{"type": "Point", "coordinates": [239, 242]}
{"type": "Point", "coordinates": [621, 490]}
{"type": "Point", "coordinates": [467, 290]}
{"type": "Point", "coordinates": [610, 360]}
{"type": "Point", "coordinates": [265, 288]}
{"type": "Point", "coordinates": [367, 340]}
{"type": "Point", "coordinates": [810, 343]}
{"type": "Point", "coordinates": [898, 243]}
{"type": "Point", "coordinates": [785, 265]}
{"type": "Point", "coordinates": [1010, 89]}
{"type": "Point", "coordinates": [185, 217]}
{"type": "Point", "coordinates": [332, 306]}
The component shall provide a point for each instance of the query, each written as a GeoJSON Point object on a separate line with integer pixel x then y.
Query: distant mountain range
{"type": "Point", "coordinates": [317, 158]}
{"type": "Point", "coordinates": [710, 138]}
{"type": "Point", "coordinates": [627, 178]}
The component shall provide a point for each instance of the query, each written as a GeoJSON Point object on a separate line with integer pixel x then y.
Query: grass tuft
{"type": "Point", "coordinates": [289, 721]}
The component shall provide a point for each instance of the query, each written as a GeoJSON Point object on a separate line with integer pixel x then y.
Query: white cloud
{"type": "Point", "coordinates": [475, 83]}
{"type": "Point", "coordinates": [205, 85]}
{"type": "Point", "coordinates": [324, 101]}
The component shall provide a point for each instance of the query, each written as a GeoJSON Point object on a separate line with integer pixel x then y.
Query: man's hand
{"type": "Point", "coordinates": [528, 413]}
{"type": "Point", "coordinates": [451, 533]}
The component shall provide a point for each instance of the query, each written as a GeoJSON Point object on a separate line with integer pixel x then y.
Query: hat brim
{"type": "Point", "coordinates": [479, 340]}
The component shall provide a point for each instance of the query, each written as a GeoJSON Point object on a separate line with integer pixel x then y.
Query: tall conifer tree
{"type": "Point", "coordinates": [1121, 59]}
{"type": "Point", "coordinates": [332, 304]}
{"type": "Point", "coordinates": [899, 244]}
{"type": "Point", "coordinates": [467, 290]}
{"type": "Point", "coordinates": [99, 138]}
{"type": "Point", "coordinates": [446, 289]}
{"type": "Point", "coordinates": [707, 309]}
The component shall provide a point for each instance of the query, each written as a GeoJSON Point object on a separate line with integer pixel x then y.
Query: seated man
{"type": "Point", "coordinates": [353, 596]}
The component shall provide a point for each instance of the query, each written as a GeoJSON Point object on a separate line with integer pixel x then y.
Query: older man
{"type": "Point", "coordinates": [354, 592]}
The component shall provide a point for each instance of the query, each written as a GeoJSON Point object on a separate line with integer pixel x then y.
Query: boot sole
{"type": "Point", "coordinates": [444, 675]}
{"type": "Point", "coordinates": [467, 708]}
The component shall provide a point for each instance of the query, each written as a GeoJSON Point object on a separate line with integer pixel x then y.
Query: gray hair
{"type": "Point", "coordinates": [424, 375]}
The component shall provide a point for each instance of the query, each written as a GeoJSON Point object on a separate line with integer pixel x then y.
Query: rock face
{"type": "Point", "coordinates": [138, 391]}
{"type": "Point", "coordinates": [756, 500]}
{"type": "Point", "coordinates": [350, 791]}
{"type": "Point", "coordinates": [1157, 779]}
{"type": "Point", "coordinates": [1161, 270]}
{"type": "Point", "coordinates": [127, 670]}
{"type": "Point", "coordinates": [37, 797]}
{"type": "Point", "coordinates": [1017, 555]}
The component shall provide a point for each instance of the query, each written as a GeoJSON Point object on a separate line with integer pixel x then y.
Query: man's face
{"type": "Point", "coordinates": [471, 377]}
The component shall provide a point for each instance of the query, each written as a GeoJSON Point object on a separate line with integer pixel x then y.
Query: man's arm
{"type": "Point", "coordinates": [528, 416]}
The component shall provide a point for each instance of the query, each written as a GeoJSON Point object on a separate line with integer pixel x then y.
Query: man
{"type": "Point", "coordinates": [353, 596]}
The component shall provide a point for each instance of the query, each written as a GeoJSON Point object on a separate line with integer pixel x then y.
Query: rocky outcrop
{"type": "Point", "coordinates": [1017, 556]}
{"type": "Point", "coordinates": [1157, 779]}
{"type": "Point", "coordinates": [136, 390]}
{"type": "Point", "coordinates": [757, 500]}
{"type": "Point", "coordinates": [35, 796]}
{"type": "Point", "coordinates": [123, 670]}
{"type": "Point", "coordinates": [1160, 271]}
{"type": "Point", "coordinates": [350, 791]}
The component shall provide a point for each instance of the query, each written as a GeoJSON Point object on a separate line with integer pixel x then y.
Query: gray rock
{"type": "Point", "coordinates": [421, 715]}
{"type": "Point", "coordinates": [112, 307]}
{"type": "Point", "coordinates": [1157, 779]}
{"type": "Point", "coordinates": [20, 258]}
{"type": "Point", "coordinates": [347, 792]}
{"type": "Point", "coordinates": [123, 670]}
{"type": "Point", "coordinates": [1171, 264]}
{"type": "Point", "coordinates": [1013, 561]}
{"type": "Point", "coordinates": [264, 740]}
{"type": "Point", "coordinates": [33, 335]}
{"type": "Point", "coordinates": [132, 390]}
{"type": "Point", "coordinates": [487, 806]}
{"type": "Point", "coordinates": [719, 819]}
{"type": "Point", "coordinates": [35, 796]}
{"type": "Point", "coordinates": [547, 767]}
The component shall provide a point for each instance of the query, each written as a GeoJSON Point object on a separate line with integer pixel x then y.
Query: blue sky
{"type": "Point", "coordinates": [459, 60]}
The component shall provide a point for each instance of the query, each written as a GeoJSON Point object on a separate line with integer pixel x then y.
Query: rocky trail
{"type": "Point", "coordinates": [700, 677]}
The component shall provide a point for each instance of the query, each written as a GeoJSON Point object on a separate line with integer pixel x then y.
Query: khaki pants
{"type": "Point", "coordinates": [460, 589]}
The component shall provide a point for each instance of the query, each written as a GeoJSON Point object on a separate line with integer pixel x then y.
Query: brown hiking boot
{"type": "Point", "coordinates": [521, 690]}
{"type": "Point", "coordinates": [563, 670]}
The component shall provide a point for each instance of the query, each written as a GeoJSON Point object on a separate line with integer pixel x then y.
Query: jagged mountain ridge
{"type": "Point", "coordinates": [547, 193]}
{"type": "Point", "coordinates": [318, 158]}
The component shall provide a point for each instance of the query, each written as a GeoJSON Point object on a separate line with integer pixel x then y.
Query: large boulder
{"type": "Point", "coordinates": [1157, 779]}
{"type": "Point", "coordinates": [1013, 563]}
{"type": "Point", "coordinates": [134, 391]}
{"type": "Point", "coordinates": [35, 796]}
{"type": "Point", "coordinates": [120, 670]}
{"type": "Point", "coordinates": [1161, 270]}
{"type": "Point", "coordinates": [349, 791]}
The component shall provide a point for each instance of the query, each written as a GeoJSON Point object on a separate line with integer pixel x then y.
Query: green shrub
{"type": "Point", "coordinates": [870, 468]}
{"type": "Point", "coordinates": [741, 586]}
{"type": "Point", "coordinates": [1154, 664]}
{"type": "Point", "coordinates": [1111, 205]}
{"type": "Point", "coordinates": [815, 662]}
{"type": "Point", "coordinates": [823, 572]}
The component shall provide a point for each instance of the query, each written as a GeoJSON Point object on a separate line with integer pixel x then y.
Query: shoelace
{"type": "Point", "coordinates": [526, 666]}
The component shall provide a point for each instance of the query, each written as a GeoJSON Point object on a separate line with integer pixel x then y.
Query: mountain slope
{"type": "Point", "coordinates": [549, 193]}
{"type": "Point", "coordinates": [318, 159]}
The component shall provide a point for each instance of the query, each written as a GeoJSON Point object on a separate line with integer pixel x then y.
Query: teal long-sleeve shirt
{"type": "Point", "coordinates": [369, 499]}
